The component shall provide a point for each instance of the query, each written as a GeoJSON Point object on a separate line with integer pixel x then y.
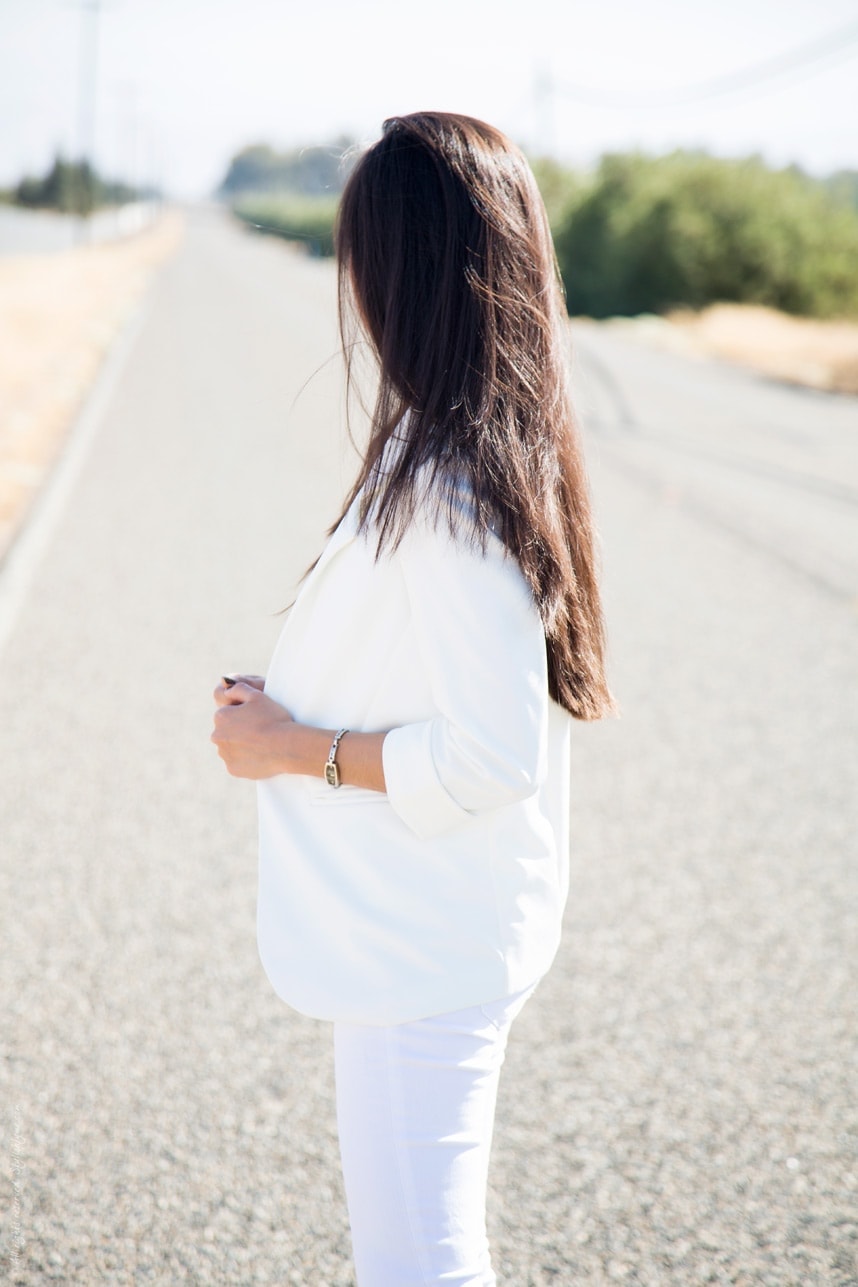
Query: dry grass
{"type": "Point", "coordinates": [58, 315]}
{"type": "Point", "coordinates": [801, 350]}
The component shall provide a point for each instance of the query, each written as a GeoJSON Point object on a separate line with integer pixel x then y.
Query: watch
{"type": "Point", "coordinates": [332, 773]}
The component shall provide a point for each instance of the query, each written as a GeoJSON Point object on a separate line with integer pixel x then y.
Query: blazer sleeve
{"type": "Point", "coordinates": [481, 642]}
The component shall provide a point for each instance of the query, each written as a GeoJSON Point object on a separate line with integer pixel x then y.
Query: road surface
{"type": "Point", "coordinates": [679, 1102]}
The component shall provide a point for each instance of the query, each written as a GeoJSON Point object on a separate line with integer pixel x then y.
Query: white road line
{"type": "Point", "coordinates": [18, 569]}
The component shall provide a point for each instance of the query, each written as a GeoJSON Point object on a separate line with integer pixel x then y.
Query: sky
{"type": "Point", "coordinates": [181, 85]}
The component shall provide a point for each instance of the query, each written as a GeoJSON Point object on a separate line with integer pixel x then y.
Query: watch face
{"type": "Point", "coordinates": [332, 777]}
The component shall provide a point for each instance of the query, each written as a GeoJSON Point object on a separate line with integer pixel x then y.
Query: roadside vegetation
{"type": "Point", "coordinates": [70, 187]}
{"type": "Point", "coordinates": [640, 234]}
{"type": "Point", "coordinates": [59, 313]}
{"type": "Point", "coordinates": [294, 216]}
{"type": "Point", "coordinates": [291, 194]}
{"type": "Point", "coordinates": [650, 234]}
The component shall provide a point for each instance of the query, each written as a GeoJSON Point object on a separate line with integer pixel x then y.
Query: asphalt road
{"type": "Point", "coordinates": [679, 1100]}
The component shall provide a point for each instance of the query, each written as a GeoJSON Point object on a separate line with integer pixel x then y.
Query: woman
{"type": "Point", "coordinates": [411, 738]}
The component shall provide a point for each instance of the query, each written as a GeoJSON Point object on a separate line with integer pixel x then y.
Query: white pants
{"type": "Point", "coordinates": [415, 1109]}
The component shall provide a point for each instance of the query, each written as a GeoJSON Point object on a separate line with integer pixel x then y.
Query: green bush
{"type": "Point", "coordinates": [309, 220]}
{"type": "Point", "coordinates": [689, 229]}
{"type": "Point", "coordinates": [72, 187]}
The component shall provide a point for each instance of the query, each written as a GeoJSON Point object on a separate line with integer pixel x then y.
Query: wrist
{"type": "Point", "coordinates": [305, 749]}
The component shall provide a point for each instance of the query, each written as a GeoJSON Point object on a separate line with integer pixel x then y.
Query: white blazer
{"type": "Point", "coordinates": [448, 890]}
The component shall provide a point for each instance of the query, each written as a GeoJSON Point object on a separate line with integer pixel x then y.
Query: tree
{"type": "Point", "coordinates": [310, 171]}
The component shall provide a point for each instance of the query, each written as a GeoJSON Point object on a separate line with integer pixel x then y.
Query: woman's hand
{"type": "Point", "coordinates": [257, 738]}
{"type": "Point", "coordinates": [251, 732]}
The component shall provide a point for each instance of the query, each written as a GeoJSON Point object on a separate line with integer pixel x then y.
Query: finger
{"type": "Point", "coordinates": [240, 692]}
{"type": "Point", "coordinates": [234, 696]}
{"type": "Point", "coordinates": [222, 696]}
{"type": "Point", "coordinates": [223, 715]}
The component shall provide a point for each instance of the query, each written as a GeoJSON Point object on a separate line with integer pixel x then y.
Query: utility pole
{"type": "Point", "coordinates": [90, 13]}
{"type": "Point", "coordinates": [543, 109]}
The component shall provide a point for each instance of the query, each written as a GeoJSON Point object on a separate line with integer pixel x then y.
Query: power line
{"type": "Point", "coordinates": [838, 45]}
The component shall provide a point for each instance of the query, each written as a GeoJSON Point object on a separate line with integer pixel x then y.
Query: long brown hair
{"type": "Point", "coordinates": [446, 259]}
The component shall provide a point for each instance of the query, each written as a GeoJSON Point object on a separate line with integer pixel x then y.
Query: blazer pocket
{"type": "Point", "coordinates": [345, 796]}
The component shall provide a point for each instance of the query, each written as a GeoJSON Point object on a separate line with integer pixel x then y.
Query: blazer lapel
{"type": "Point", "coordinates": [340, 538]}
{"type": "Point", "coordinates": [347, 529]}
